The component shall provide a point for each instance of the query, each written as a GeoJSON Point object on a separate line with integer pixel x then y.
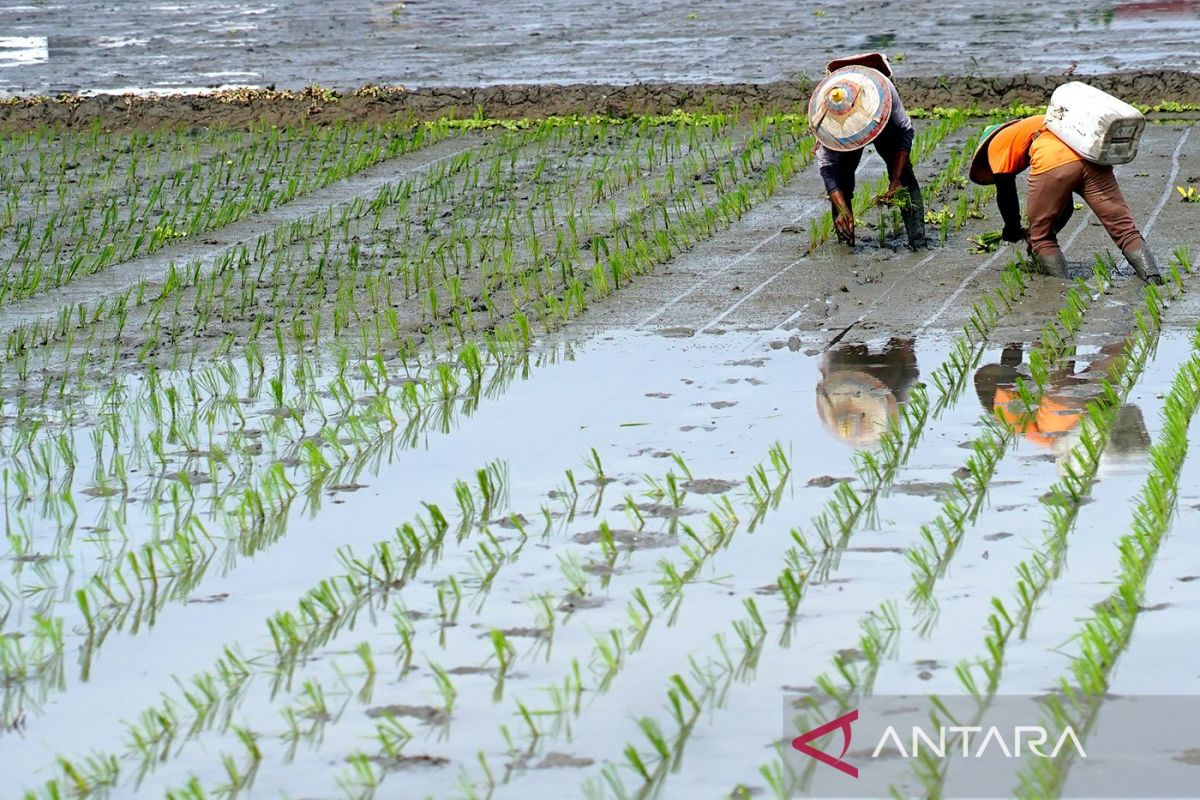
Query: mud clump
{"type": "Point", "coordinates": [709, 485]}
{"type": "Point", "coordinates": [426, 714]}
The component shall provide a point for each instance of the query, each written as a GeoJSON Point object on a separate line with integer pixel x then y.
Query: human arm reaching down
{"type": "Point", "coordinates": [1010, 209]}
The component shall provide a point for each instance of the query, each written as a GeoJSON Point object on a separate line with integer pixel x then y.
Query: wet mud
{"type": "Point", "coordinates": [245, 107]}
{"type": "Point", "coordinates": [55, 46]}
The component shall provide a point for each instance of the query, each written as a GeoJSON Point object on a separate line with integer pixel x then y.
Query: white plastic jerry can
{"type": "Point", "coordinates": [1098, 126]}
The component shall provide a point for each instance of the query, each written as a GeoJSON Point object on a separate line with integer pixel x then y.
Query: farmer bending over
{"type": "Point", "coordinates": [1056, 173]}
{"type": "Point", "coordinates": [855, 105]}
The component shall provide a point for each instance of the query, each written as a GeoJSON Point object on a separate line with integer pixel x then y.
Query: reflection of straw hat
{"type": "Point", "coordinates": [855, 407]}
{"type": "Point", "coordinates": [981, 165]}
{"type": "Point", "coordinates": [850, 107]}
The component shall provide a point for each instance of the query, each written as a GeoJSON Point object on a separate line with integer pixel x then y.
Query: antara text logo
{"type": "Point", "coordinates": [954, 741]}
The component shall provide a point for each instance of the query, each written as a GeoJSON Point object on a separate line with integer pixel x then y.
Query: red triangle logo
{"type": "Point", "coordinates": [801, 743]}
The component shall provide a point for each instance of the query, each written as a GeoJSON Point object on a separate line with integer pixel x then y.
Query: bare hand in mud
{"type": "Point", "coordinates": [844, 222]}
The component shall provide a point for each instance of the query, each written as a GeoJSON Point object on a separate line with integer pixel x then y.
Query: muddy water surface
{"type": "Point", "coordinates": [123, 46]}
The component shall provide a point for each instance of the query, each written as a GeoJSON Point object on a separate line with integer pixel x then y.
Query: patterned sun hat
{"type": "Point", "coordinates": [850, 107]}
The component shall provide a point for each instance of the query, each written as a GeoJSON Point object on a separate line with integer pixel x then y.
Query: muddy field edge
{"type": "Point", "coordinates": [243, 107]}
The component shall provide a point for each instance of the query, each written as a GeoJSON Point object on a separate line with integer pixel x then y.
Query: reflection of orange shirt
{"type": "Point", "coordinates": [1052, 420]}
{"type": "Point", "coordinates": [1027, 143]}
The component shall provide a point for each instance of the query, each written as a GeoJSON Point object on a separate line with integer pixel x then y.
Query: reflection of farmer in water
{"type": "Point", "coordinates": [860, 391]}
{"type": "Point", "coordinates": [1056, 421]}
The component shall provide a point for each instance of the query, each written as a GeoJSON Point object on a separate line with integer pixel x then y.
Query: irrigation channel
{"type": "Point", "coordinates": [470, 459]}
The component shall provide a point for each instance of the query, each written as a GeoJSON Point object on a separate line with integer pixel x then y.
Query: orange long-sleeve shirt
{"type": "Point", "coordinates": [1027, 143]}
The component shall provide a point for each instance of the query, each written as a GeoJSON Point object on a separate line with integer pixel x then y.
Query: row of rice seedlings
{"type": "Point", "coordinates": [209, 698]}
{"type": "Point", "coordinates": [924, 143]}
{"type": "Point", "coordinates": [466, 296]}
{"type": "Point", "coordinates": [220, 279]}
{"type": "Point", "coordinates": [952, 375]}
{"type": "Point", "coordinates": [653, 760]}
{"type": "Point", "coordinates": [846, 682]}
{"type": "Point", "coordinates": [264, 176]}
{"type": "Point", "coordinates": [575, 292]}
{"type": "Point", "coordinates": [297, 636]}
{"type": "Point", "coordinates": [650, 770]}
{"type": "Point", "coordinates": [1104, 636]}
{"type": "Point", "coordinates": [184, 556]}
{"type": "Point", "coordinates": [1036, 573]}
{"type": "Point", "coordinates": [194, 394]}
{"type": "Point", "coordinates": [73, 169]}
{"type": "Point", "coordinates": [877, 471]}
{"type": "Point", "coordinates": [540, 724]}
{"type": "Point", "coordinates": [941, 537]}
{"type": "Point", "coordinates": [536, 725]}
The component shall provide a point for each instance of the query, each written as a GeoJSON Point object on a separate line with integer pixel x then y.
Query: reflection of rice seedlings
{"type": "Point", "coordinates": [392, 735]}
{"type": "Point", "coordinates": [1106, 634]}
{"type": "Point", "coordinates": [445, 686]}
{"type": "Point", "coordinates": [1035, 574]}
{"type": "Point", "coordinates": [635, 514]}
{"type": "Point", "coordinates": [572, 571]}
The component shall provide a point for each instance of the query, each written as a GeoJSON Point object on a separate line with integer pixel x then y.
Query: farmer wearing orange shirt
{"type": "Point", "coordinates": [1056, 172]}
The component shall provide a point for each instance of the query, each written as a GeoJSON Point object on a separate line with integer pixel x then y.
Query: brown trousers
{"type": "Point", "coordinates": [1050, 194]}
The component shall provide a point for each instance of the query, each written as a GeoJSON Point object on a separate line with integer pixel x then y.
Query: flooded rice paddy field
{"type": "Point", "coordinates": [462, 460]}
{"type": "Point", "coordinates": [53, 47]}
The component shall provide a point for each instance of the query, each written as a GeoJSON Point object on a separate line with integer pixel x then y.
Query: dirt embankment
{"type": "Point", "coordinates": [242, 107]}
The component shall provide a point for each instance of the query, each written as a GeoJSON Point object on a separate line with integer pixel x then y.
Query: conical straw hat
{"type": "Point", "coordinates": [850, 107]}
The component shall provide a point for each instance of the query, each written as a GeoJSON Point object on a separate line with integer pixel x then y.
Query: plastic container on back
{"type": "Point", "coordinates": [1098, 126]}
